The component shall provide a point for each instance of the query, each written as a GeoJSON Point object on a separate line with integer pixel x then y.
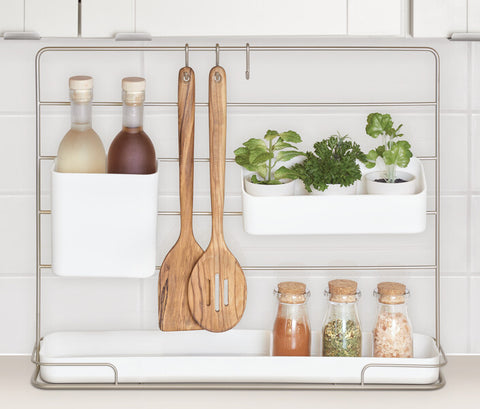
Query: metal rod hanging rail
{"type": "Point", "coordinates": [36, 381]}
{"type": "Point", "coordinates": [261, 104]}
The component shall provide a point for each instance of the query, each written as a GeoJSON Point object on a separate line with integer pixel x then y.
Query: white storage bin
{"type": "Point", "coordinates": [338, 214]}
{"type": "Point", "coordinates": [104, 225]}
{"type": "Point", "coordinates": [235, 356]}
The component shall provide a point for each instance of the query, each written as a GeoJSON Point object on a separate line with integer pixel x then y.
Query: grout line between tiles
{"type": "Point", "coordinates": [469, 214]}
{"type": "Point", "coordinates": [141, 304]}
{"type": "Point", "coordinates": [347, 22]}
{"type": "Point", "coordinates": [134, 16]}
{"type": "Point", "coordinates": [79, 18]}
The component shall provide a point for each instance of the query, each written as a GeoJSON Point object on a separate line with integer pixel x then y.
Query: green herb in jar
{"type": "Point", "coordinates": [342, 338]}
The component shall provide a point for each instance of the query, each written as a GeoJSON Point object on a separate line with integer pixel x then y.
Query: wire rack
{"type": "Point", "coordinates": [248, 50]}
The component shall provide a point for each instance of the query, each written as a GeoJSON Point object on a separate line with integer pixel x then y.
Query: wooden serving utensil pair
{"type": "Point", "coordinates": [201, 289]}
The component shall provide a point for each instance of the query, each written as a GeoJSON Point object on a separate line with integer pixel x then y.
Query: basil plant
{"type": "Point", "coordinates": [262, 156]}
{"type": "Point", "coordinates": [394, 151]}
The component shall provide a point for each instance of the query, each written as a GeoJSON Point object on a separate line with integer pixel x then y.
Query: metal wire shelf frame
{"type": "Point", "coordinates": [35, 358]}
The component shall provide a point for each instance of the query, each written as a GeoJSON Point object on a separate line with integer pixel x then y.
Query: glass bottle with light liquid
{"type": "Point", "coordinates": [81, 150]}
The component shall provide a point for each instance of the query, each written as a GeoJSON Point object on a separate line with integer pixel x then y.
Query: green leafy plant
{"type": "Point", "coordinates": [263, 155]}
{"type": "Point", "coordinates": [393, 151]}
{"type": "Point", "coordinates": [334, 161]}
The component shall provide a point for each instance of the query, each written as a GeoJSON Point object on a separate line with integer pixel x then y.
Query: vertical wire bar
{"type": "Point", "coordinates": [38, 206]}
{"type": "Point", "coordinates": [437, 198]}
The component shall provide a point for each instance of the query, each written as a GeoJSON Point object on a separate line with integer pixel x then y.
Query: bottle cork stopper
{"type": "Point", "coordinates": [342, 290]}
{"type": "Point", "coordinates": [391, 293]}
{"type": "Point", "coordinates": [292, 292]}
{"type": "Point", "coordinates": [133, 84]}
{"type": "Point", "coordinates": [133, 90]}
{"type": "Point", "coordinates": [81, 82]}
{"type": "Point", "coordinates": [81, 87]}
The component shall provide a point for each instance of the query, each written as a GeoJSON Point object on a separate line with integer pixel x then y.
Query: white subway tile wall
{"type": "Point", "coordinates": [248, 17]}
{"type": "Point", "coordinates": [11, 15]}
{"type": "Point", "coordinates": [52, 18]}
{"type": "Point", "coordinates": [473, 16]}
{"type": "Point", "coordinates": [439, 18]}
{"type": "Point", "coordinates": [107, 17]}
{"type": "Point", "coordinates": [376, 17]}
{"type": "Point", "coordinates": [121, 303]}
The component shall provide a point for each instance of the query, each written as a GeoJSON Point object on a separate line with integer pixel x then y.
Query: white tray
{"type": "Point", "coordinates": [229, 357]}
{"type": "Point", "coordinates": [350, 214]}
{"type": "Point", "coordinates": [104, 225]}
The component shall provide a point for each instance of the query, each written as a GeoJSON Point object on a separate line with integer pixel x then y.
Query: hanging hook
{"type": "Point", "coordinates": [186, 75]}
{"type": "Point", "coordinates": [217, 54]}
{"type": "Point", "coordinates": [218, 77]}
{"type": "Point", "coordinates": [247, 62]}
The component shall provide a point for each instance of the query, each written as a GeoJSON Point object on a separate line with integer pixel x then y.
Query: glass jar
{"type": "Point", "coordinates": [392, 336]}
{"type": "Point", "coordinates": [291, 330]}
{"type": "Point", "coordinates": [341, 331]}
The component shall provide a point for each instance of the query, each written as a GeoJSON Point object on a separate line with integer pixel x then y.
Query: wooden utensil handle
{"type": "Point", "coordinates": [186, 126]}
{"type": "Point", "coordinates": [217, 110]}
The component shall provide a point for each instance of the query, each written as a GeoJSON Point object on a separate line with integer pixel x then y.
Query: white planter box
{"type": "Point", "coordinates": [104, 225]}
{"type": "Point", "coordinates": [339, 214]}
{"type": "Point", "coordinates": [231, 357]}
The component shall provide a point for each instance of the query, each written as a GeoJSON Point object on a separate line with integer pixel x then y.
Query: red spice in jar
{"type": "Point", "coordinates": [291, 338]}
{"type": "Point", "coordinates": [291, 330]}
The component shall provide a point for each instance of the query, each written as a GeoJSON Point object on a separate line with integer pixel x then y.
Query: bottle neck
{"type": "Point", "coordinates": [81, 114]}
{"type": "Point", "coordinates": [342, 311]}
{"type": "Point", "coordinates": [132, 116]}
{"type": "Point", "coordinates": [392, 308]}
{"type": "Point", "coordinates": [292, 311]}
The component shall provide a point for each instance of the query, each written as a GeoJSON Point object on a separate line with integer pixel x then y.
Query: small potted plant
{"type": "Point", "coordinates": [262, 156]}
{"type": "Point", "coordinates": [333, 167]}
{"type": "Point", "coordinates": [394, 153]}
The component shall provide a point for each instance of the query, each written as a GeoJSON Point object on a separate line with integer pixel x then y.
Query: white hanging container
{"type": "Point", "coordinates": [104, 225]}
{"type": "Point", "coordinates": [361, 213]}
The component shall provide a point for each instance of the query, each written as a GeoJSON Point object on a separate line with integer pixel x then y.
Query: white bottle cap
{"type": "Point", "coordinates": [81, 88]}
{"type": "Point", "coordinates": [133, 90]}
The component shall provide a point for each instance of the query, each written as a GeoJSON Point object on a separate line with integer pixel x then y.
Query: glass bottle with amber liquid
{"type": "Point", "coordinates": [81, 150]}
{"type": "Point", "coordinates": [132, 151]}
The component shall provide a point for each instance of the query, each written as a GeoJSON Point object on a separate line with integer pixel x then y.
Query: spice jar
{"type": "Point", "coordinates": [342, 335]}
{"type": "Point", "coordinates": [392, 336]}
{"type": "Point", "coordinates": [291, 330]}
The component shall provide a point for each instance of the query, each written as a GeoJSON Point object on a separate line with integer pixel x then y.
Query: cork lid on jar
{"type": "Point", "coordinates": [292, 292]}
{"type": "Point", "coordinates": [391, 293]}
{"type": "Point", "coordinates": [81, 87]}
{"type": "Point", "coordinates": [342, 291]}
{"type": "Point", "coordinates": [133, 90]}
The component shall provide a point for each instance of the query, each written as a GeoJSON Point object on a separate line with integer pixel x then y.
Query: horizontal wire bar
{"type": "Point", "coordinates": [175, 159]}
{"type": "Point", "coordinates": [199, 213]}
{"type": "Point", "coordinates": [326, 268]}
{"type": "Point", "coordinates": [317, 268]}
{"type": "Point", "coordinates": [172, 213]}
{"type": "Point", "coordinates": [258, 104]}
{"type": "Point", "coordinates": [236, 48]}
{"type": "Point", "coordinates": [204, 213]}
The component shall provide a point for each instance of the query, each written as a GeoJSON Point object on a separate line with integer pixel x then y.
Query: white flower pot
{"type": "Point", "coordinates": [337, 190]}
{"type": "Point", "coordinates": [381, 188]}
{"type": "Point", "coordinates": [283, 189]}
